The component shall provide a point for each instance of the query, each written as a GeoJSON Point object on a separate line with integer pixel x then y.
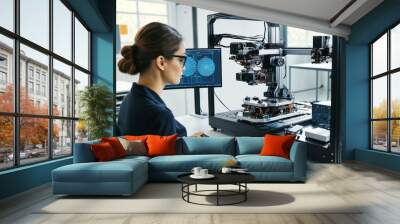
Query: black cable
{"type": "Point", "coordinates": [215, 94]}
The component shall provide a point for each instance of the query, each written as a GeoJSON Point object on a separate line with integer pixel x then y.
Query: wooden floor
{"type": "Point", "coordinates": [378, 188]}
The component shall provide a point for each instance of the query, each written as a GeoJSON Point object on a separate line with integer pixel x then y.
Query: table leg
{"type": "Point", "coordinates": [245, 193]}
{"type": "Point", "coordinates": [217, 194]}
{"type": "Point", "coordinates": [195, 188]}
{"type": "Point", "coordinates": [188, 190]}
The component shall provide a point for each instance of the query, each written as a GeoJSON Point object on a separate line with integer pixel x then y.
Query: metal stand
{"type": "Point", "coordinates": [242, 191]}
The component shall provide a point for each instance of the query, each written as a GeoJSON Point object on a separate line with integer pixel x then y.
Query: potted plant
{"type": "Point", "coordinates": [96, 103]}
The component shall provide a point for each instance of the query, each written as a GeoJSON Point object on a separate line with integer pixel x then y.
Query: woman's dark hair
{"type": "Point", "coordinates": [151, 41]}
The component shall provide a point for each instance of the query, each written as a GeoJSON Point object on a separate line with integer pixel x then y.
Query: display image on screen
{"type": "Point", "coordinates": [202, 69]}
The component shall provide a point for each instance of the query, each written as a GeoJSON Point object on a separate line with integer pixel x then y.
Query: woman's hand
{"type": "Point", "coordinates": [199, 134]}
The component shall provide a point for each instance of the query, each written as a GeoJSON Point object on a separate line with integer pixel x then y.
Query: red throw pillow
{"type": "Point", "coordinates": [161, 145]}
{"type": "Point", "coordinates": [116, 145]}
{"type": "Point", "coordinates": [275, 145]}
{"type": "Point", "coordinates": [103, 151]}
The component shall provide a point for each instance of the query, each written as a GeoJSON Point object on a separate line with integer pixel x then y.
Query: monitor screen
{"type": "Point", "coordinates": [202, 69]}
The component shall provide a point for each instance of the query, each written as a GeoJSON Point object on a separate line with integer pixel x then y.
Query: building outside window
{"type": "Point", "coordinates": [385, 94]}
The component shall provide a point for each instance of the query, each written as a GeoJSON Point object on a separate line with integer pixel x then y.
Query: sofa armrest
{"type": "Point", "coordinates": [298, 155]}
{"type": "Point", "coordinates": [83, 152]}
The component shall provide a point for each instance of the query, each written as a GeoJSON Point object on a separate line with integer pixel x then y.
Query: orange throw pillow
{"type": "Point", "coordinates": [116, 145]}
{"type": "Point", "coordinates": [275, 145]}
{"type": "Point", "coordinates": [103, 152]}
{"type": "Point", "coordinates": [161, 145]}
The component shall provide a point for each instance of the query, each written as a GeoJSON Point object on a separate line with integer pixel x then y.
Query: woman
{"type": "Point", "coordinates": [158, 55]}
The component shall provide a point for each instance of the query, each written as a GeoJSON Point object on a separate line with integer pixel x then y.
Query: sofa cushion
{"type": "Point", "coordinates": [249, 145]}
{"type": "Point", "coordinates": [257, 163]}
{"type": "Point", "coordinates": [111, 171]}
{"type": "Point", "coordinates": [199, 146]}
{"type": "Point", "coordinates": [185, 163]}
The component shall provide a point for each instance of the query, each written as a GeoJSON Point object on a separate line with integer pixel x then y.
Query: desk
{"type": "Point", "coordinates": [195, 123]}
{"type": "Point", "coordinates": [327, 67]}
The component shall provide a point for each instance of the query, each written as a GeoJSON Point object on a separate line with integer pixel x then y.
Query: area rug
{"type": "Point", "coordinates": [167, 198]}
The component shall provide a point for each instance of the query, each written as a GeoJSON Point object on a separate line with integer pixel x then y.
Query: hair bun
{"type": "Point", "coordinates": [128, 63]}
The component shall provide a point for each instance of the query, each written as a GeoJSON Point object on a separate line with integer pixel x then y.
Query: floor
{"type": "Point", "coordinates": [378, 188]}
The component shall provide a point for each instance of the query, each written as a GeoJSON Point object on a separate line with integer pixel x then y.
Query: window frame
{"type": "Point", "coordinates": [388, 74]}
{"type": "Point", "coordinates": [16, 115]}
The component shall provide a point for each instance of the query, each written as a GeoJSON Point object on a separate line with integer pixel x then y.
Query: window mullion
{"type": "Point", "coordinates": [389, 106]}
{"type": "Point", "coordinates": [73, 82]}
{"type": "Point", "coordinates": [16, 83]}
{"type": "Point", "coordinates": [50, 81]}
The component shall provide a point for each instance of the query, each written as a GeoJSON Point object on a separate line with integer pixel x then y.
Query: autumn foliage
{"type": "Point", "coordinates": [380, 127]}
{"type": "Point", "coordinates": [33, 131]}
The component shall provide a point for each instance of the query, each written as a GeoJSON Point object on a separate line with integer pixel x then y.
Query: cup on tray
{"type": "Point", "coordinates": [203, 172]}
{"type": "Point", "coordinates": [226, 170]}
{"type": "Point", "coordinates": [196, 170]}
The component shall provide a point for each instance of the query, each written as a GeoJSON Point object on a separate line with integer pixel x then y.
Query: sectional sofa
{"type": "Point", "coordinates": [125, 176]}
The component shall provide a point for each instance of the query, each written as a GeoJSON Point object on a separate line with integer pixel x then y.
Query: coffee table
{"type": "Point", "coordinates": [238, 179]}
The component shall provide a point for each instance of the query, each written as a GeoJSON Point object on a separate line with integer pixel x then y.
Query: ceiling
{"type": "Point", "coordinates": [327, 16]}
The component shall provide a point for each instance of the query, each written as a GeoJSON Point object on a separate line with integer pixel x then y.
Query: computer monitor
{"type": "Point", "coordinates": [202, 69]}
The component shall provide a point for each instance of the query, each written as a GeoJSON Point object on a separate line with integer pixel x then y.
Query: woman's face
{"type": "Point", "coordinates": [174, 69]}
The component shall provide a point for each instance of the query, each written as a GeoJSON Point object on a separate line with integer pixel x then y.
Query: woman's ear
{"type": "Point", "coordinates": [160, 62]}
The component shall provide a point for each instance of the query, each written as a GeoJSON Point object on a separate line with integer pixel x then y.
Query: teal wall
{"type": "Point", "coordinates": [356, 101]}
{"type": "Point", "coordinates": [99, 16]}
{"type": "Point", "coordinates": [24, 178]}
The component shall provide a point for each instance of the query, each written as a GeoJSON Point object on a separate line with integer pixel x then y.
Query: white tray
{"type": "Point", "coordinates": [208, 176]}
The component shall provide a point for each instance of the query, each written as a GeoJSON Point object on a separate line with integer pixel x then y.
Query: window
{"type": "Point", "coordinates": [385, 96]}
{"type": "Point", "coordinates": [6, 89]}
{"type": "Point", "coordinates": [3, 78]}
{"type": "Point", "coordinates": [62, 29]}
{"type": "Point", "coordinates": [30, 87]}
{"type": "Point", "coordinates": [43, 77]}
{"type": "Point", "coordinates": [30, 72]}
{"type": "Point", "coordinates": [3, 61]}
{"type": "Point", "coordinates": [131, 15]}
{"type": "Point", "coordinates": [43, 90]}
{"type": "Point", "coordinates": [7, 14]}
{"type": "Point", "coordinates": [81, 45]}
{"type": "Point", "coordinates": [299, 38]}
{"type": "Point", "coordinates": [55, 127]}
{"type": "Point", "coordinates": [38, 89]}
{"type": "Point", "coordinates": [37, 74]}
{"type": "Point", "coordinates": [34, 25]}
{"type": "Point", "coordinates": [3, 72]}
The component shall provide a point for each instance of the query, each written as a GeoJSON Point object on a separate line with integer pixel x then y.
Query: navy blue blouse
{"type": "Point", "coordinates": [143, 112]}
